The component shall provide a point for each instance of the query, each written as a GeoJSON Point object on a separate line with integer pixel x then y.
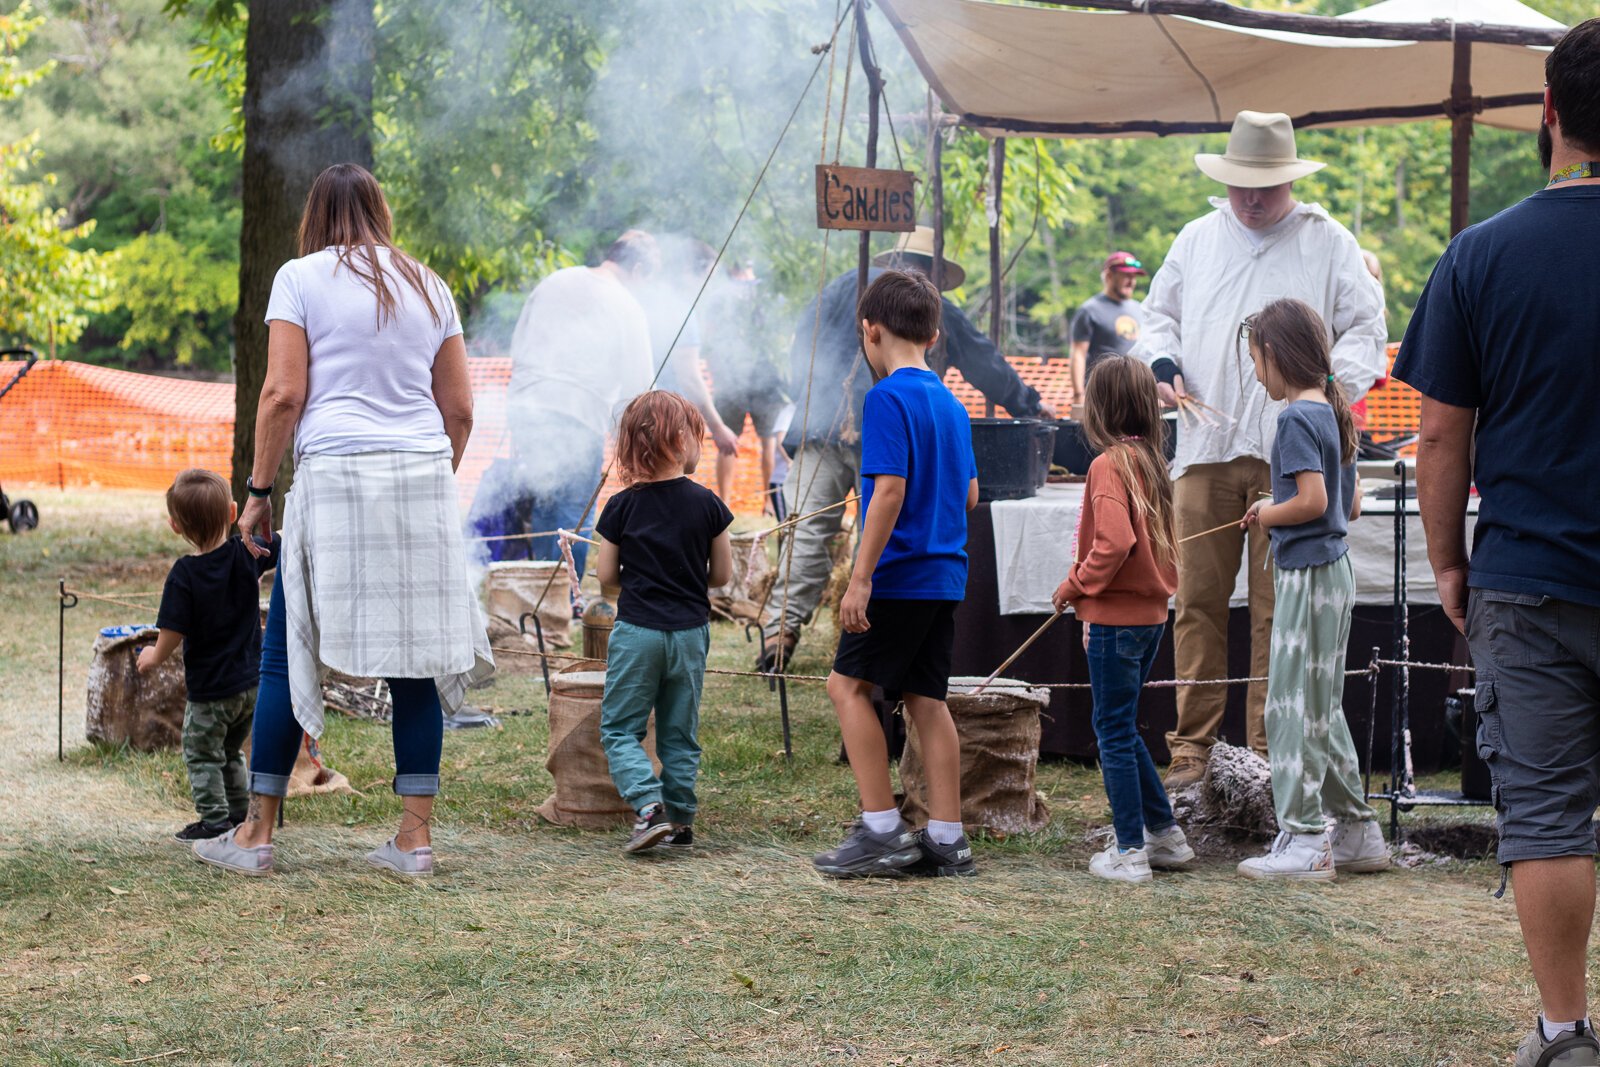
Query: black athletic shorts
{"type": "Point", "coordinates": [906, 648]}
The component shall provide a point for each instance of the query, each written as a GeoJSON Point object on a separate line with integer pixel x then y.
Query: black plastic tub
{"type": "Point", "coordinates": [1073, 451]}
{"type": "Point", "coordinates": [1013, 456]}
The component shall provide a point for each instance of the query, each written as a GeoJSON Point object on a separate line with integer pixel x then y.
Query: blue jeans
{"type": "Point", "coordinates": [664, 670]}
{"type": "Point", "coordinates": [1120, 658]}
{"type": "Point", "coordinates": [275, 739]}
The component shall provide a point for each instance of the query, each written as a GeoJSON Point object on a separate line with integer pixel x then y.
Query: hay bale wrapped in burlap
{"type": "Point", "coordinates": [585, 795]}
{"type": "Point", "coordinates": [124, 707]}
{"type": "Point", "coordinates": [741, 598]}
{"type": "Point", "coordinates": [999, 731]}
{"type": "Point", "coordinates": [514, 587]}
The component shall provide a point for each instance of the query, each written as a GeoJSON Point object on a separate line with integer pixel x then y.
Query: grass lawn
{"type": "Point", "coordinates": [539, 945]}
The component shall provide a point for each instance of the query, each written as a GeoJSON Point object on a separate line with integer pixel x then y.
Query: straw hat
{"type": "Point", "coordinates": [1260, 153]}
{"type": "Point", "coordinates": [915, 250]}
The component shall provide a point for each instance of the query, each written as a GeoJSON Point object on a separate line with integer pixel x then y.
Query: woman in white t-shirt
{"type": "Point", "coordinates": [367, 373]}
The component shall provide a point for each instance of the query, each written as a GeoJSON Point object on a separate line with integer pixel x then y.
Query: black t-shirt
{"type": "Point", "coordinates": [663, 533]}
{"type": "Point", "coordinates": [214, 601]}
{"type": "Point", "coordinates": [1508, 325]}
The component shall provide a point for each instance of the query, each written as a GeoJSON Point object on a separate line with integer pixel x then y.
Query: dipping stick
{"type": "Point", "coordinates": [1051, 621]}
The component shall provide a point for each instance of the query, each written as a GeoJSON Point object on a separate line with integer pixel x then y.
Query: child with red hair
{"type": "Point", "coordinates": [664, 540]}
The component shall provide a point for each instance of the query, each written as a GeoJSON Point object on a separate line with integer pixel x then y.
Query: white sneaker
{"type": "Point", "coordinates": [1296, 857]}
{"type": "Point", "coordinates": [1118, 866]}
{"type": "Point", "coordinates": [1359, 848]}
{"type": "Point", "coordinates": [1169, 849]}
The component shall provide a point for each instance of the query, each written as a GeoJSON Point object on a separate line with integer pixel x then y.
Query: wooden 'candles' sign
{"type": "Point", "coordinates": [856, 198]}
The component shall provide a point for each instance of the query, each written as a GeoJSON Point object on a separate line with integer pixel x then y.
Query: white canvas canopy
{"type": "Point", "coordinates": [1027, 71]}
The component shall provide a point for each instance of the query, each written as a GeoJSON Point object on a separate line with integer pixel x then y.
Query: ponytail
{"type": "Point", "coordinates": [1349, 440]}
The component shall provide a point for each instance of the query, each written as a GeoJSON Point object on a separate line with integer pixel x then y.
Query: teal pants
{"type": "Point", "coordinates": [1314, 765]}
{"type": "Point", "coordinates": [664, 670]}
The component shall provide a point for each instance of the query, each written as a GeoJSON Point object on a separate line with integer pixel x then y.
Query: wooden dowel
{"type": "Point", "coordinates": [1051, 621]}
{"type": "Point", "coordinates": [1215, 529]}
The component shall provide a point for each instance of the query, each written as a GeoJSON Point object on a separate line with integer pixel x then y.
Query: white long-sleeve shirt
{"type": "Point", "coordinates": [1214, 276]}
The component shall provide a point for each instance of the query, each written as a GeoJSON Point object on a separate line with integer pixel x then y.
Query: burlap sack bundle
{"type": "Point", "coordinates": [514, 587]}
{"type": "Point", "coordinates": [143, 711]}
{"type": "Point", "coordinates": [585, 796]}
{"type": "Point", "coordinates": [999, 731]}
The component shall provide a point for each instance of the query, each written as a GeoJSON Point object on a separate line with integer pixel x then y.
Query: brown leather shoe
{"type": "Point", "coordinates": [1185, 771]}
{"type": "Point", "coordinates": [777, 652]}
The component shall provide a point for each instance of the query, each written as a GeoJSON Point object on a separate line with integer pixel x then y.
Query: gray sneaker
{"type": "Point", "coordinates": [864, 853]}
{"type": "Point", "coordinates": [418, 863]}
{"type": "Point", "coordinates": [220, 851]}
{"type": "Point", "coordinates": [1569, 1050]}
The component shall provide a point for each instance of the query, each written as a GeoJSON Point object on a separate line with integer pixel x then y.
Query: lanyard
{"type": "Point", "coordinates": [1574, 172]}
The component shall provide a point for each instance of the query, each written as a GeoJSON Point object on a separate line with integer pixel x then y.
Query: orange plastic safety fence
{"type": "Point", "coordinates": [73, 424]}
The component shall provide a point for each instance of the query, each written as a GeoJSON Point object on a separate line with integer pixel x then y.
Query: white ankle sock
{"type": "Point", "coordinates": [1553, 1030]}
{"type": "Point", "coordinates": [881, 822]}
{"type": "Point", "coordinates": [944, 833]}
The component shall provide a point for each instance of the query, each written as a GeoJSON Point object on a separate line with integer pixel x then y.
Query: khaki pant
{"type": "Point", "coordinates": [1208, 495]}
{"type": "Point", "coordinates": [822, 474]}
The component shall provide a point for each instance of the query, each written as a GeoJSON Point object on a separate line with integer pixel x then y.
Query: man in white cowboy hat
{"type": "Point", "coordinates": [828, 389]}
{"type": "Point", "coordinates": [1257, 245]}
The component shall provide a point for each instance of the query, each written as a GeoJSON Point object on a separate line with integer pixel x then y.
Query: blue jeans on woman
{"type": "Point", "coordinates": [1120, 659]}
{"type": "Point", "coordinates": [275, 739]}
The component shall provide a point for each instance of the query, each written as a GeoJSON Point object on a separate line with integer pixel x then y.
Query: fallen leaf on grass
{"type": "Point", "coordinates": [140, 979]}
{"type": "Point", "coordinates": [744, 980]}
{"type": "Point", "coordinates": [116, 892]}
{"type": "Point", "coordinates": [998, 1049]}
{"type": "Point", "coordinates": [293, 1030]}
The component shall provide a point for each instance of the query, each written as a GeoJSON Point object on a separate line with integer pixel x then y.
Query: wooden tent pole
{"type": "Point", "coordinates": [997, 172]}
{"type": "Point", "coordinates": [1461, 118]}
{"type": "Point", "coordinates": [874, 105]}
{"type": "Point", "coordinates": [936, 194]}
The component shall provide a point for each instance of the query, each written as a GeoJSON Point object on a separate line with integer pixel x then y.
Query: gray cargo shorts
{"type": "Point", "coordinates": [1538, 672]}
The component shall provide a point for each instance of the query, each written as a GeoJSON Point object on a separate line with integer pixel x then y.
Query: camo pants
{"type": "Point", "coordinates": [214, 732]}
{"type": "Point", "coordinates": [1314, 763]}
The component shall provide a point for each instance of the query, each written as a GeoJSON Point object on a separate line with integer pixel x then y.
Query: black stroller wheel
{"type": "Point", "coordinates": [24, 516]}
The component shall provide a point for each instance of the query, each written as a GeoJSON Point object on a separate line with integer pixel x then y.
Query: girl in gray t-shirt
{"type": "Point", "coordinates": [1313, 757]}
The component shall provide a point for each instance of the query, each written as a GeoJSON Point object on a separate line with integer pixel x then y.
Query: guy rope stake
{"type": "Point", "coordinates": [1051, 621]}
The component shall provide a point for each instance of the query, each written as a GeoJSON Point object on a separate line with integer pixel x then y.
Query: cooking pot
{"type": "Point", "coordinates": [1073, 451]}
{"type": "Point", "coordinates": [1013, 456]}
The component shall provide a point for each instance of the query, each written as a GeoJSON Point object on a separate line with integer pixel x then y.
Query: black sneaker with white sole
{"type": "Point", "coordinates": [649, 829]}
{"type": "Point", "coordinates": [680, 840]}
{"type": "Point", "coordinates": [864, 854]}
{"type": "Point", "coordinates": [203, 831]}
{"type": "Point", "coordinates": [943, 861]}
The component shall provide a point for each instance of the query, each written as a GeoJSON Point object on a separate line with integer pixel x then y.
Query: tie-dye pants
{"type": "Point", "coordinates": [1314, 763]}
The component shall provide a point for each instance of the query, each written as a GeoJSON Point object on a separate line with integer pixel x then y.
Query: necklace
{"type": "Point", "coordinates": [1574, 172]}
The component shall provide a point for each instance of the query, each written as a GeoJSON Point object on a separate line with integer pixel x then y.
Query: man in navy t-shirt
{"type": "Point", "coordinates": [1505, 361]}
{"type": "Point", "coordinates": [910, 574]}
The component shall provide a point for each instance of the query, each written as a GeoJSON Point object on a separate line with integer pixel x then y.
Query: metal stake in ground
{"type": "Point", "coordinates": [1051, 621]}
{"type": "Point", "coordinates": [68, 601]}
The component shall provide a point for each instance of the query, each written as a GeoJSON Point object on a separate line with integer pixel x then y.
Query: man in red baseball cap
{"type": "Point", "coordinates": [1108, 322]}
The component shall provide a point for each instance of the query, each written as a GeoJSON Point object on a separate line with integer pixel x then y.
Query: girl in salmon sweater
{"type": "Point", "coordinates": [1125, 573]}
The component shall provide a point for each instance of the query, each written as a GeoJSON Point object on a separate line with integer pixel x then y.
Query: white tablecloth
{"type": "Point", "coordinates": [1033, 545]}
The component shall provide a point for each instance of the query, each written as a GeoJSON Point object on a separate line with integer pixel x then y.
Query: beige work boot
{"type": "Point", "coordinates": [1184, 771]}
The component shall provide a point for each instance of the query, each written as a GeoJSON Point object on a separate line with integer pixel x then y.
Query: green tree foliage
{"type": "Point", "coordinates": [48, 286]}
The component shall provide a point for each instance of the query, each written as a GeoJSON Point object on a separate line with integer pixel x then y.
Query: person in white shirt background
{"type": "Point", "coordinates": [1258, 244]}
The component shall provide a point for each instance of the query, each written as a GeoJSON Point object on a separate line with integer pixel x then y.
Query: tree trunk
{"type": "Point", "coordinates": [307, 105]}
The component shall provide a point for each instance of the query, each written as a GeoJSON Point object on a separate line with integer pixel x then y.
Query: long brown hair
{"type": "Point", "coordinates": [346, 210]}
{"type": "Point", "coordinates": [1292, 338]}
{"type": "Point", "coordinates": [656, 427]}
{"type": "Point", "coordinates": [1123, 421]}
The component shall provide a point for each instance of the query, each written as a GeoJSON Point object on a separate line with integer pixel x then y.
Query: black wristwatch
{"type": "Point", "coordinates": [260, 492]}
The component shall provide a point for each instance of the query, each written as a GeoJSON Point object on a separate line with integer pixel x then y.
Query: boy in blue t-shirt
{"type": "Point", "coordinates": [910, 574]}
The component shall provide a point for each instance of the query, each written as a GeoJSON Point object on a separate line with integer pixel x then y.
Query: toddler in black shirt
{"type": "Point", "coordinates": [211, 604]}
